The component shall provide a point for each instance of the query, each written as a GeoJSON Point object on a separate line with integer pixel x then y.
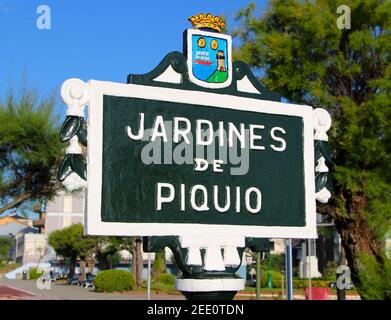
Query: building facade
{"type": "Point", "coordinates": [64, 210]}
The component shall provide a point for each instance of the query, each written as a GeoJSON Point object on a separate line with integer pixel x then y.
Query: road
{"type": "Point", "coordinates": [11, 293]}
{"type": "Point", "coordinates": [28, 290]}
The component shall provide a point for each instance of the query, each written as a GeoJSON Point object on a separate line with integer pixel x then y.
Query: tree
{"type": "Point", "coordinates": [71, 243]}
{"type": "Point", "coordinates": [159, 264]}
{"type": "Point", "coordinates": [86, 253]}
{"type": "Point", "coordinates": [126, 243]}
{"type": "Point", "coordinates": [30, 149]}
{"type": "Point", "coordinates": [5, 247]}
{"type": "Point", "coordinates": [106, 251]}
{"type": "Point", "coordinates": [137, 261]}
{"type": "Point", "coordinates": [304, 56]}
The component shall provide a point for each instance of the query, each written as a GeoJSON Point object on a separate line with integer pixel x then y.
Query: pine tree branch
{"type": "Point", "coordinates": [17, 201]}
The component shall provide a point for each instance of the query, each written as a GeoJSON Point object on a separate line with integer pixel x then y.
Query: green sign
{"type": "Point", "coordinates": [163, 161]}
{"type": "Point", "coordinates": [196, 155]}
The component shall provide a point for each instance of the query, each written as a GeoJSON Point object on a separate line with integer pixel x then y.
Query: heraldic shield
{"type": "Point", "coordinates": [209, 56]}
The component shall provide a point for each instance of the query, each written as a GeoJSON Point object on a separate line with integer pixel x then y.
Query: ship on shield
{"type": "Point", "coordinates": [209, 53]}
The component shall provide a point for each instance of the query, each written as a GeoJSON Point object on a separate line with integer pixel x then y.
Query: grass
{"type": "Point", "coordinates": [159, 287]}
{"type": "Point", "coordinates": [253, 289]}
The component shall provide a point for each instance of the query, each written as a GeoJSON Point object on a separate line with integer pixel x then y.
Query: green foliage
{"type": "Point", "coordinates": [315, 283]}
{"type": "Point", "coordinates": [125, 243]}
{"type": "Point", "coordinates": [7, 267]}
{"type": "Point", "coordinates": [331, 270]}
{"type": "Point", "coordinates": [276, 278]}
{"type": "Point", "coordinates": [165, 278]}
{"type": "Point", "coordinates": [326, 232]}
{"type": "Point", "coordinates": [107, 250]}
{"type": "Point", "coordinates": [114, 280]}
{"type": "Point", "coordinates": [277, 265]}
{"type": "Point", "coordinates": [304, 56]}
{"type": "Point", "coordinates": [309, 60]}
{"type": "Point", "coordinates": [30, 149]}
{"type": "Point", "coordinates": [5, 247]}
{"type": "Point", "coordinates": [277, 262]}
{"type": "Point", "coordinates": [70, 241]}
{"type": "Point", "coordinates": [375, 281]}
{"type": "Point", "coordinates": [34, 273]}
{"type": "Point", "coordinates": [114, 259]}
{"type": "Point", "coordinates": [159, 264]}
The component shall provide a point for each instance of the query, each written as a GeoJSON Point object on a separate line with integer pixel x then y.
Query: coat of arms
{"type": "Point", "coordinates": [209, 53]}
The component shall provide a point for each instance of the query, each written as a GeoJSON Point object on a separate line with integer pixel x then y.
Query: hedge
{"type": "Point", "coordinates": [114, 280]}
{"type": "Point", "coordinates": [297, 283]}
{"type": "Point", "coordinates": [34, 273]}
{"type": "Point", "coordinates": [165, 278]}
{"type": "Point", "coordinates": [304, 283]}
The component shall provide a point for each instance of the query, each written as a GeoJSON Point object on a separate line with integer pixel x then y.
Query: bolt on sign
{"type": "Point", "coordinates": [196, 144]}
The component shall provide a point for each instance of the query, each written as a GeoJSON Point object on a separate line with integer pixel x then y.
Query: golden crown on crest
{"type": "Point", "coordinates": [207, 20]}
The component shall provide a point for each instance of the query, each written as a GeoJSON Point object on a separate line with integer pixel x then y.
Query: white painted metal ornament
{"type": "Point", "coordinates": [206, 285]}
{"type": "Point", "coordinates": [214, 260]}
{"type": "Point", "coordinates": [322, 123]}
{"type": "Point", "coordinates": [75, 95]}
{"type": "Point", "coordinates": [74, 182]}
{"type": "Point", "coordinates": [220, 253]}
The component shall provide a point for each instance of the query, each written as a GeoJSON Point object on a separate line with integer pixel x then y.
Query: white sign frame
{"type": "Point", "coordinates": [95, 226]}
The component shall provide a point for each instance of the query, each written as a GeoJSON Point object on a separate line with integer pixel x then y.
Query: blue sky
{"type": "Point", "coordinates": [91, 39]}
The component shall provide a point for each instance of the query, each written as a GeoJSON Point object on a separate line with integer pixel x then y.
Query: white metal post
{"type": "Point", "coordinates": [149, 278]}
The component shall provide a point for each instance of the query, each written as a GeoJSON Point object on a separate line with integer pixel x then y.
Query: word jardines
{"type": "Point", "coordinates": [205, 132]}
